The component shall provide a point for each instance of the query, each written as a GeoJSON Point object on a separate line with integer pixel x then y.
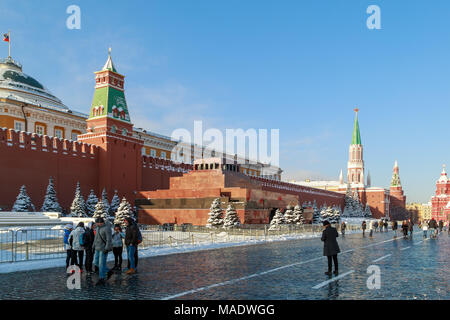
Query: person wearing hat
{"type": "Point", "coordinates": [330, 246]}
{"type": "Point", "coordinates": [102, 246]}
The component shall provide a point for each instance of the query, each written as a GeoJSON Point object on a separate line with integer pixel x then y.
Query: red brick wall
{"type": "Point", "coordinates": [23, 162]}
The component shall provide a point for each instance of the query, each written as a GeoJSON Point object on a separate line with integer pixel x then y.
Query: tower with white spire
{"type": "Point", "coordinates": [355, 166]}
{"type": "Point", "coordinates": [398, 199]}
{"type": "Point", "coordinates": [442, 197]}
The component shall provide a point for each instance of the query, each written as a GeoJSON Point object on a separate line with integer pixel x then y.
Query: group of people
{"type": "Point", "coordinates": [94, 242]}
{"type": "Point", "coordinates": [375, 225]}
{"type": "Point", "coordinates": [434, 227]}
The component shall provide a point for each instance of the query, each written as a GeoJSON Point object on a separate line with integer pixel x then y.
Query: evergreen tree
{"type": "Point", "coordinates": [367, 212]}
{"type": "Point", "coordinates": [51, 201]}
{"type": "Point", "coordinates": [231, 218]}
{"type": "Point", "coordinates": [123, 211]}
{"type": "Point", "coordinates": [105, 200]}
{"type": "Point", "coordinates": [91, 201]}
{"type": "Point", "coordinates": [23, 202]}
{"type": "Point", "coordinates": [277, 220]}
{"type": "Point", "coordinates": [316, 213]}
{"type": "Point", "coordinates": [100, 211]}
{"type": "Point", "coordinates": [348, 209]}
{"type": "Point", "coordinates": [298, 214]}
{"type": "Point", "coordinates": [357, 206]}
{"type": "Point", "coordinates": [330, 215]}
{"type": "Point", "coordinates": [78, 207]}
{"type": "Point", "coordinates": [215, 219]}
{"type": "Point", "coordinates": [323, 214]}
{"type": "Point", "coordinates": [115, 202]}
{"type": "Point", "coordinates": [289, 216]}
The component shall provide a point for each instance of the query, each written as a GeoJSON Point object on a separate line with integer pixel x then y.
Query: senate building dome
{"type": "Point", "coordinates": [16, 85]}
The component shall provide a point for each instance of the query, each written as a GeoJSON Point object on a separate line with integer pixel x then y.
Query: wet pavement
{"type": "Point", "coordinates": [409, 269]}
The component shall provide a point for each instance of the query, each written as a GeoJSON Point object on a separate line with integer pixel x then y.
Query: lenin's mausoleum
{"type": "Point", "coordinates": [41, 137]}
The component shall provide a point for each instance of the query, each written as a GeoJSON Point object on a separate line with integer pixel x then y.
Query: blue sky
{"type": "Point", "coordinates": [297, 66]}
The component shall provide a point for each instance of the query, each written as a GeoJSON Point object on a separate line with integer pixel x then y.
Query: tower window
{"type": "Point", "coordinates": [124, 132]}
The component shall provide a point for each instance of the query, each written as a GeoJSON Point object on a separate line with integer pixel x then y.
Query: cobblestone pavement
{"type": "Point", "coordinates": [410, 269]}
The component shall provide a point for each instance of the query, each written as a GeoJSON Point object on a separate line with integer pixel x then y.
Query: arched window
{"type": "Point", "coordinates": [113, 129]}
{"type": "Point", "coordinates": [124, 132]}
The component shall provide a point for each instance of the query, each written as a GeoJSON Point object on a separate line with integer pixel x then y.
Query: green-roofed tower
{"type": "Point", "coordinates": [355, 167]}
{"type": "Point", "coordinates": [109, 96]}
{"type": "Point", "coordinates": [356, 138]}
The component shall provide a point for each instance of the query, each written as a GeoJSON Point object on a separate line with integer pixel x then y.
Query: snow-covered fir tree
{"type": "Point", "coordinates": [123, 211]}
{"type": "Point", "coordinates": [277, 220]}
{"type": "Point", "coordinates": [289, 216]}
{"type": "Point", "coordinates": [348, 209]}
{"type": "Point", "coordinates": [115, 202]}
{"type": "Point", "coordinates": [298, 214]}
{"type": "Point", "coordinates": [23, 202]}
{"type": "Point", "coordinates": [336, 216]}
{"type": "Point", "coordinates": [100, 211]}
{"type": "Point", "coordinates": [215, 219]}
{"type": "Point", "coordinates": [316, 213]}
{"type": "Point", "coordinates": [78, 207]}
{"type": "Point", "coordinates": [105, 200]}
{"type": "Point", "coordinates": [367, 212]}
{"type": "Point", "coordinates": [91, 201]}
{"type": "Point", "coordinates": [357, 205]}
{"type": "Point", "coordinates": [51, 201]}
{"type": "Point", "coordinates": [323, 214]}
{"type": "Point", "coordinates": [231, 219]}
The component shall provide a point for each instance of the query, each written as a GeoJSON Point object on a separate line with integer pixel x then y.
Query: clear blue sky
{"type": "Point", "coordinates": [300, 66]}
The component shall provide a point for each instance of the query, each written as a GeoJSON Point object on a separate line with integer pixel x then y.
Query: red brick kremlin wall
{"type": "Point", "coordinates": [30, 159]}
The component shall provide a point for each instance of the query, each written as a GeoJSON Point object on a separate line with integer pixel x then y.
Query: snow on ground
{"type": "Point", "coordinates": [152, 252]}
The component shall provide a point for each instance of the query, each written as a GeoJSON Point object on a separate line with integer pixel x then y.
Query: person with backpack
{"type": "Point", "coordinates": [117, 243]}
{"type": "Point", "coordinates": [132, 238]}
{"type": "Point", "coordinates": [67, 230]}
{"type": "Point", "coordinates": [102, 246]}
{"type": "Point", "coordinates": [88, 246]}
{"type": "Point", "coordinates": [76, 239]}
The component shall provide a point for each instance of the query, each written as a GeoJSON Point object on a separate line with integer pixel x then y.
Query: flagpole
{"type": "Point", "coordinates": [9, 42]}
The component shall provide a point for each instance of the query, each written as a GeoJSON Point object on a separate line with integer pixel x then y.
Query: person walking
{"type": "Point", "coordinates": [433, 228]}
{"type": "Point", "coordinates": [330, 246]}
{"type": "Point", "coordinates": [131, 241]}
{"type": "Point", "coordinates": [117, 244]}
{"type": "Point", "coordinates": [67, 230]}
{"type": "Point", "coordinates": [441, 225]}
{"type": "Point", "coordinates": [370, 228]}
{"type": "Point", "coordinates": [363, 227]}
{"type": "Point", "coordinates": [343, 227]}
{"type": "Point", "coordinates": [76, 238]}
{"type": "Point", "coordinates": [395, 227]}
{"type": "Point", "coordinates": [381, 224]}
{"type": "Point", "coordinates": [102, 246]}
{"type": "Point", "coordinates": [375, 225]}
{"type": "Point", "coordinates": [88, 246]}
{"type": "Point", "coordinates": [410, 228]}
{"type": "Point", "coordinates": [425, 229]}
{"type": "Point", "coordinates": [385, 225]}
{"type": "Point", "coordinates": [405, 229]}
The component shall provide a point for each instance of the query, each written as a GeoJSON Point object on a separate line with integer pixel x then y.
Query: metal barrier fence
{"type": "Point", "coordinates": [39, 243]}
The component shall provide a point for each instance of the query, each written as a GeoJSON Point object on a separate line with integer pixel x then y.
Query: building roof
{"type": "Point", "coordinates": [18, 86]}
{"type": "Point", "coordinates": [109, 65]}
{"type": "Point", "coordinates": [356, 137]}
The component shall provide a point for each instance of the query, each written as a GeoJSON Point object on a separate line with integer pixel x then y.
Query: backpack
{"type": "Point", "coordinates": [82, 239]}
{"type": "Point", "coordinates": [139, 236]}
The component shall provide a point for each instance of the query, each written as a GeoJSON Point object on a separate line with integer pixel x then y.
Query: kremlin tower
{"type": "Point", "coordinates": [355, 167]}
{"type": "Point", "coordinates": [440, 209]}
{"type": "Point", "coordinates": [109, 127]}
{"type": "Point", "coordinates": [398, 199]}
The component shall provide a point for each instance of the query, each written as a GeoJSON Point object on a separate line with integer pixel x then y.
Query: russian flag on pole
{"type": "Point", "coordinates": [6, 37]}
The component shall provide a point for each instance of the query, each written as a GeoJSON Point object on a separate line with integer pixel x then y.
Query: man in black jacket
{"type": "Point", "coordinates": [131, 241]}
{"type": "Point", "coordinates": [330, 246]}
{"type": "Point", "coordinates": [88, 247]}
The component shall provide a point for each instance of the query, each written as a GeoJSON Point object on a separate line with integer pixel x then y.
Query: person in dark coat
{"type": "Point", "coordinates": [330, 246]}
{"type": "Point", "coordinates": [405, 229]}
{"type": "Point", "coordinates": [363, 227]}
{"type": "Point", "coordinates": [410, 228]}
{"type": "Point", "coordinates": [88, 247]}
{"type": "Point", "coordinates": [131, 241]}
